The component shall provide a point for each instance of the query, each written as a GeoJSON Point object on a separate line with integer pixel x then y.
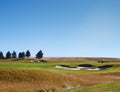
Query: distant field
{"type": "Point", "coordinates": [36, 77]}
{"type": "Point", "coordinates": [81, 59]}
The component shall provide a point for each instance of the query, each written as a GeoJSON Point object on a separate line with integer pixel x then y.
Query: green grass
{"type": "Point", "coordinates": [26, 64]}
{"type": "Point", "coordinates": [24, 70]}
{"type": "Point", "coordinates": [108, 87]}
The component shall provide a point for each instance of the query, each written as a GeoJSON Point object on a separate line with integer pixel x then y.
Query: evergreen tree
{"type": "Point", "coordinates": [27, 54]}
{"type": "Point", "coordinates": [39, 54]}
{"type": "Point", "coordinates": [1, 55]}
{"type": "Point", "coordinates": [14, 55]}
{"type": "Point", "coordinates": [8, 55]}
{"type": "Point", "coordinates": [21, 55]}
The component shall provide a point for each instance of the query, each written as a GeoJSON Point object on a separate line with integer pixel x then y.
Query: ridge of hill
{"type": "Point", "coordinates": [81, 58]}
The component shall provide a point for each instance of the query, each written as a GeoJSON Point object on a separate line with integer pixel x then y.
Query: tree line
{"type": "Point", "coordinates": [20, 55]}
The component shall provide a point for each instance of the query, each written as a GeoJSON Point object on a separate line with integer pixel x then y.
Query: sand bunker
{"type": "Point", "coordinates": [83, 67]}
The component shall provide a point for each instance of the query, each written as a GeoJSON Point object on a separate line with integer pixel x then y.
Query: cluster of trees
{"type": "Point", "coordinates": [26, 54]}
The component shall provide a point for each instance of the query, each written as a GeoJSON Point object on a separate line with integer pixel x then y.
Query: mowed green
{"type": "Point", "coordinates": [27, 76]}
{"type": "Point", "coordinates": [50, 65]}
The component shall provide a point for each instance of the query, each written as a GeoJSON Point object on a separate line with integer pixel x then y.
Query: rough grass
{"type": "Point", "coordinates": [107, 87]}
{"type": "Point", "coordinates": [24, 76]}
{"type": "Point", "coordinates": [17, 80]}
{"type": "Point", "coordinates": [43, 75]}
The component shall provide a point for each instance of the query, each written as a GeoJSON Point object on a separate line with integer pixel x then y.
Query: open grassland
{"type": "Point", "coordinates": [107, 87]}
{"type": "Point", "coordinates": [27, 76]}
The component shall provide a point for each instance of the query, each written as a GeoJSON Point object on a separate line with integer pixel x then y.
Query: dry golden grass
{"type": "Point", "coordinates": [90, 79]}
{"type": "Point", "coordinates": [26, 80]}
{"type": "Point", "coordinates": [35, 80]}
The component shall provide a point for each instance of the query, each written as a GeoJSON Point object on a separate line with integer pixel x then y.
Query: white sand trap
{"type": "Point", "coordinates": [93, 69]}
{"type": "Point", "coordinates": [77, 68]}
{"type": "Point", "coordinates": [72, 68]}
{"type": "Point", "coordinates": [80, 68]}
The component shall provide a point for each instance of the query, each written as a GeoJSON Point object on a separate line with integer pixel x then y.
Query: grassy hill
{"type": "Point", "coordinates": [26, 76]}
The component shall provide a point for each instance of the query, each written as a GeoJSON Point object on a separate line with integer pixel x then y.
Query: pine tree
{"type": "Point", "coordinates": [14, 55]}
{"type": "Point", "coordinates": [8, 55]}
{"type": "Point", "coordinates": [1, 55]}
{"type": "Point", "coordinates": [39, 54]}
{"type": "Point", "coordinates": [21, 55]}
{"type": "Point", "coordinates": [27, 54]}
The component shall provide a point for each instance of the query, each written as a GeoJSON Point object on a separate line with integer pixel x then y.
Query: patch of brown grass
{"type": "Point", "coordinates": [90, 79]}
{"type": "Point", "coordinates": [35, 80]}
{"type": "Point", "coordinates": [15, 80]}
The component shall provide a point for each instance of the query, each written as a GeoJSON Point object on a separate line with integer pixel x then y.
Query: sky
{"type": "Point", "coordinates": [61, 28]}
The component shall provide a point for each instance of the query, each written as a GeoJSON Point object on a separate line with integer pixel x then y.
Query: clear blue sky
{"type": "Point", "coordinates": [78, 28]}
